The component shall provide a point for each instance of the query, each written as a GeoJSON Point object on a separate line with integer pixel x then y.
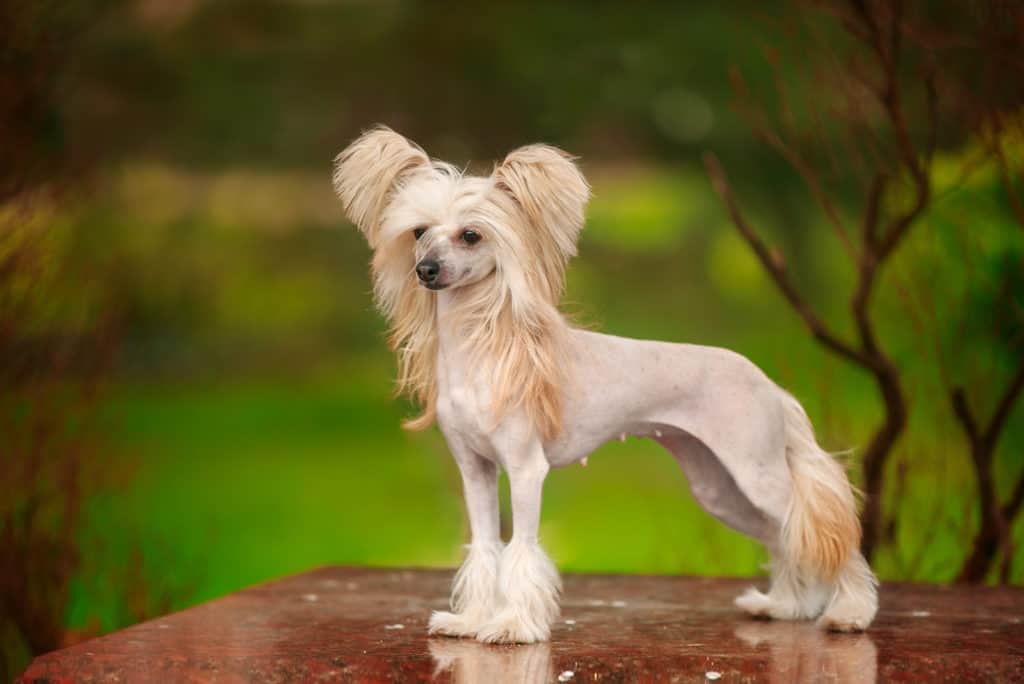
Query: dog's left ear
{"type": "Point", "coordinates": [367, 173]}
{"type": "Point", "coordinates": [549, 188]}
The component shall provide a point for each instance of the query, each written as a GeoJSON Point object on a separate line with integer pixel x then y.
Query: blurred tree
{"type": "Point", "coordinates": [55, 349]}
{"type": "Point", "coordinates": [52, 370]}
{"type": "Point", "coordinates": [1006, 294]}
{"type": "Point", "coordinates": [897, 81]}
{"type": "Point", "coordinates": [37, 40]}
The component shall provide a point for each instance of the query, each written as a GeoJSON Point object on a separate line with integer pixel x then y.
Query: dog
{"type": "Point", "coordinates": [470, 271]}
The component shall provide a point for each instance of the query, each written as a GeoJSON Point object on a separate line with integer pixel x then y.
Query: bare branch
{"type": "Point", "coordinates": [932, 102]}
{"type": "Point", "coordinates": [871, 33]}
{"type": "Point", "coordinates": [777, 269]}
{"type": "Point", "coordinates": [1010, 510]}
{"type": "Point", "coordinates": [901, 224]}
{"type": "Point", "coordinates": [810, 177]}
{"type": "Point", "coordinates": [813, 183]}
{"type": "Point", "coordinates": [1004, 408]}
{"type": "Point", "coordinates": [966, 418]}
{"type": "Point", "coordinates": [876, 191]}
{"type": "Point", "coordinates": [994, 532]}
{"type": "Point", "coordinates": [1004, 172]}
{"type": "Point", "coordinates": [895, 34]}
{"type": "Point", "coordinates": [1013, 504]}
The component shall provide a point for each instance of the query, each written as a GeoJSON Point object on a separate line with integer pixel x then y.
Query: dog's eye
{"type": "Point", "coordinates": [419, 231]}
{"type": "Point", "coordinates": [470, 237]}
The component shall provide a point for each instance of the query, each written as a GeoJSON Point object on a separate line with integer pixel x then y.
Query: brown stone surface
{"type": "Point", "coordinates": [357, 624]}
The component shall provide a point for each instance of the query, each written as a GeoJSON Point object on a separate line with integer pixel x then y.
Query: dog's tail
{"type": "Point", "coordinates": [821, 531]}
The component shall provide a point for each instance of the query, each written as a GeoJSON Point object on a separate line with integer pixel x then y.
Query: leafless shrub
{"type": "Point", "coordinates": [895, 81]}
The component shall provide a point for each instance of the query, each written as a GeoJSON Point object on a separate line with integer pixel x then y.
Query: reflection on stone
{"type": "Point", "coordinates": [471, 661]}
{"type": "Point", "coordinates": [803, 652]}
{"type": "Point", "coordinates": [669, 627]}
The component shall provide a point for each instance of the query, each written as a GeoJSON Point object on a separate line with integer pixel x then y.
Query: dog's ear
{"type": "Point", "coordinates": [367, 172]}
{"type": "Point", "coordinates": [549, 188]}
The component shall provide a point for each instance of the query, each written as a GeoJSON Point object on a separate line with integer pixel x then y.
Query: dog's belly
{"type": "Point", "coordinates": [690, 399]}
{"type": "Point", "coordinates": [574, 449]}
{"type": "Point", "coordinates": [620, 388]}
{"type": "Point", "coordinates": [582, 439]}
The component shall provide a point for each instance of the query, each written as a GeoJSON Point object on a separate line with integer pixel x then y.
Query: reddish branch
{"type": "Point", "coordinates": [776, 267]}
{"type": "Point", "coordinates": [879, 28]}
{"type": "Point", "coordinates": [995, 518]}
{"type": "Point", "coordinates": [866, 353]}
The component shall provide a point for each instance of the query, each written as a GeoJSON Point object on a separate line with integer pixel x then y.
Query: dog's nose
{"type": "Point", "coordinates": [428, 270]}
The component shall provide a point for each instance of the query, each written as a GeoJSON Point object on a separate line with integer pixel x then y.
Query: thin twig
{"type": "Point", "coordinates": [756, 120]}
{"type": "Point", "coordinates": [1004, 407]}
{"type": "Point", "coordinates": [776, 268]}
{"type": "Point", "coordinates": [963, 414]}
{"type": "Point", "coordinates": [1016, 204]}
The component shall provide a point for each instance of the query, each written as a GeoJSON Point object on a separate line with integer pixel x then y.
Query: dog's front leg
{"type": "Point", "coordinates": [474, 591]}
{"type": "Point", "coordinates": [528, 582]}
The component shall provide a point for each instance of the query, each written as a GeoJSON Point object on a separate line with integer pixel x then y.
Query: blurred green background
{"type": "Point", "coordinates": [244, 426]}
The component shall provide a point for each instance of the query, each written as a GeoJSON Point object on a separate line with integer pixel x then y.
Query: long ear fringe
{"type": "Point", "coordinates": [529, 349]}
{"type": "Point", "coordinates": [366, 175]}
{"type": "Point", "coordinates": [411, 310]}
{"type": "Point", "coordinates": [552, 192]}
{"type": "Point", "coordinates": [533, 375]}
{"type": "Point", "coordinates": [520, 349]}
{"type": "Point", "coordinates": [368, 171]}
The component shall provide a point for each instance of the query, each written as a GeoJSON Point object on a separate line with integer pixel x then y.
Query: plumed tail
{"type": "Point", "coordinates": [821, 531]}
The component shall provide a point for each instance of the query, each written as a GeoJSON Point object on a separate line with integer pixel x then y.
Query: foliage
{"type": "Point", "coordinates": [55, 353]}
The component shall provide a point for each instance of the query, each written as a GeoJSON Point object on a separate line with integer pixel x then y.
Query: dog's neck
{"type": "Point", "coordinates": [447, 338]}
{"type": "Point", "coordinates": [522, 365]}
{"type": "Point", "coordinates": [452, 367]}
{"type": "Point", "coordinates": [450, 312]}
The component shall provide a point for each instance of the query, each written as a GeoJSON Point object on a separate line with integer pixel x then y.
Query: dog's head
{"type": "Point", "coordinates": [432, 226]}
{"type": "Point", "coordinates": [499, 243]}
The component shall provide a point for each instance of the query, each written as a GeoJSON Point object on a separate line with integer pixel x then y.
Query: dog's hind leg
{"type": "Point", "coordinates": [846, 602]}
{"type": "Point", "coordinates": [818, 566]}
{"type": "Point", "coordinates": [854, 600]}
{"type": "Point", "coordinates": [527, 579]}
{"type": "Point", "coordinates": [474, 591]}
{"type": "Point", "coordinates": [794, 594]}
{"type": "Point", "coordinates": [791, 596]}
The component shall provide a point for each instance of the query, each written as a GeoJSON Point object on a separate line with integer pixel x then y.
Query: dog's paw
{"type": "Point", "coordinates": [451, 624]}
{"type": "Point", "coordinates": [755, 603]}
{"type": "Point", "coordinates": [849, 614]}
{"type": "Point", "coordinates": [838, 624]}
{"type": "Point", "coordinates": [780, 605]}
{"type": "Point", "coordinates": [507, 628]}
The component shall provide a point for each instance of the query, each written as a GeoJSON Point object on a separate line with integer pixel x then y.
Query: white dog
{"type": "Point", "coordinates": [470, 271]}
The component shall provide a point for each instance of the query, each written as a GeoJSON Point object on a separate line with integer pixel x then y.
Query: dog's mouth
{"type": "Point", "coordinates": [434, 286]}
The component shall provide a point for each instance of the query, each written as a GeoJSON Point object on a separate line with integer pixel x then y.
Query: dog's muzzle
{"type": "Point", "coordinates": [428, 271]}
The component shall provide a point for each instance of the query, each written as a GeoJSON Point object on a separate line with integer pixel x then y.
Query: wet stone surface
{"type": "Point", "coordinates": [356, 624]}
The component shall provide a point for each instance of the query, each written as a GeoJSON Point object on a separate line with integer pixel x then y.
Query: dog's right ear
{"type": "Point", "coordinates": [551, 190]}
{"type": "Point", "coordinates": [367, 172]}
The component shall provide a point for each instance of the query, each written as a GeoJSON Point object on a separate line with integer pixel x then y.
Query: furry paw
{"type": "Point", "coordinates": [835, 624]}
{"type": "Point", "coordinates": [783, 604]}
{"type": "Point", "coordinates": [451, 624]}
{"type": "Point", "coordinates": [507, 628]}
{"type": "Point", "coordinates": [756, 604]}
{"type": "Point", "coordinates": [849, 614]}
{"type": "Point", "coordinates": [856, 600]}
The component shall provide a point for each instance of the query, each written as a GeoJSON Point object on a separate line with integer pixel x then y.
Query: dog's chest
{"type": "Point", "coordinates": [460, 413]}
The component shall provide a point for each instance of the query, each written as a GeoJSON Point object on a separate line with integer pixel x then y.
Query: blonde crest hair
{"type": "Point", "coordinates": [509, 324]}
